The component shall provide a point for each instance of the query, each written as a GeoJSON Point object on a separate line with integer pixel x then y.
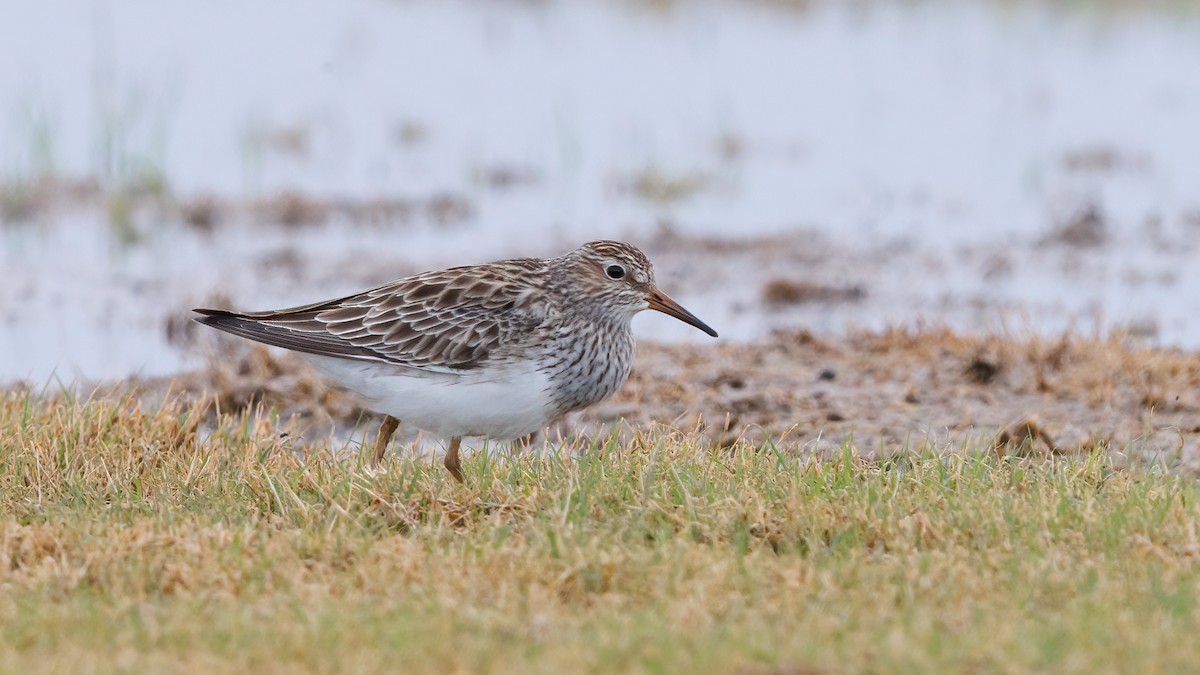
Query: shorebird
{"type": "Point", "coordinates": [498, 350]}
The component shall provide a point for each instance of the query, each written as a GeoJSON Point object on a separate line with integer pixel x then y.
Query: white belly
{"type": "Point", "coordinates": [502, 406]}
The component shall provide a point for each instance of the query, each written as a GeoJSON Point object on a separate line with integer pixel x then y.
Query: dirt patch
{"type": "Point", "coordinates": [879, 391]}
{"type": "Point", "coordinates": [908, 386]}
{"type": "Point", "coordinates": [50, 196]}
{"type": "Point", "coordinates": [794, 292]}
{"type": "Point", "coordinates": [1086, 229]}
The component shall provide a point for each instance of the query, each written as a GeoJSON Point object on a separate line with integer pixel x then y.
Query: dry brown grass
{"type": "Point", "coordinates": [146, 538]}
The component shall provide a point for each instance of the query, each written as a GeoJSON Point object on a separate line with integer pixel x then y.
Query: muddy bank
{"type": "Point", "coordinates": [808, 394]}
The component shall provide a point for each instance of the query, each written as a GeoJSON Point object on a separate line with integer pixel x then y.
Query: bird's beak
{"type": "Point", "coordinates": [659, 301]}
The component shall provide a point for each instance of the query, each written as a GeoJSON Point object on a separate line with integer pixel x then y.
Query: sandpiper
{"type": "Point", "coordinates": [498, 350]}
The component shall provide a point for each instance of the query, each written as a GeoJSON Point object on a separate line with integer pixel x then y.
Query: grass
{"type": "Point", "coordinates": [130, 539]}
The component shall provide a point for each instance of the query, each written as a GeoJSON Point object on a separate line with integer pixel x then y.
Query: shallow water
{"type": "Point", "coordinates": [923, 153]}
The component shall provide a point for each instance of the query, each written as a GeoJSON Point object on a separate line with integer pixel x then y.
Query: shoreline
{"type": "Point", "coordinates": [877, 392]}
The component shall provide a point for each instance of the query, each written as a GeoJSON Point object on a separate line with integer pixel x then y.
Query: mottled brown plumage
{"type": "Point", "coordinates": [448, 320]}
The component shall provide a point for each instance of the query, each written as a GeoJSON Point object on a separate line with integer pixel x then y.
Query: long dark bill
{"type": "Point", "coordinates": [661, 302]}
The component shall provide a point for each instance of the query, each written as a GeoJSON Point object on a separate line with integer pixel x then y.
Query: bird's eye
{"type": "Point", "coordinates": [615, 272]}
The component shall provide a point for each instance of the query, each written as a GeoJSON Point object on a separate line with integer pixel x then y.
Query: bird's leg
{"type": "Point", "coordinates": [451, 460]}
{"type": "Point", "coordinates": [385, 434]}
{"type": "Point", "coordinates": [522, 444]}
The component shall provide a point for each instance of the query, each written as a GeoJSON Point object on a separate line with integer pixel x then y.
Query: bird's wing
{"type": "Point", "coordinates": [446, 321]}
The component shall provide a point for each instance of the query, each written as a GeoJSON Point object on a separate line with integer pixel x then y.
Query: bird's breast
{"type": "Point", "coordinates": [587, 366]}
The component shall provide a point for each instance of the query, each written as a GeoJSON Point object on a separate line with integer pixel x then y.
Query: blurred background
{"type": "Point", "coordinates": [988, 164]}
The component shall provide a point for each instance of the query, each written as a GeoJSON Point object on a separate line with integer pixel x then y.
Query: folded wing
{"type": "Point", "coordinates": [446, 321]}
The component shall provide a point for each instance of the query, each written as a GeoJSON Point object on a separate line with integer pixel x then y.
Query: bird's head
{"type": "Point", "coordinates": [620, 278]}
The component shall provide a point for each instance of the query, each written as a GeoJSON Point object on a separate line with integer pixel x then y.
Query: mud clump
{"type": "Point", "coordinates": [1086, 229]}
{"type": "Point", "coordinates": [1103, 159]}
{"type": "Point", "coordinates": [202, 213]}
{"type": "Point", "coordinates": [294, 209]}
{"type": "Point", "coordinates": [1025, 438]}
{"type": "Point", "coordinates": [791, 292]}
{"type": "Point", "coordinates": [981, 370]}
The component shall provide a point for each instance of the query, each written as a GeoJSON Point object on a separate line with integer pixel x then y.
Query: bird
{"type": "Point", "coordinates": [498, 350]}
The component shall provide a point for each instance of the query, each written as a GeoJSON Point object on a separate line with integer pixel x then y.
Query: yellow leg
{"type": "Point", "coordinates": [523, 443]}
{"type": "Point", "coordinates": [385, 434]}
{"type": "Point", "coordinates": [451, 460]}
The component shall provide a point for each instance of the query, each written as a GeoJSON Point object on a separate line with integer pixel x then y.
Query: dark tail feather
{"type": "Point", "coordinates": [237, 324]}
{"type": "Point", "coordinates": [323, 344]}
